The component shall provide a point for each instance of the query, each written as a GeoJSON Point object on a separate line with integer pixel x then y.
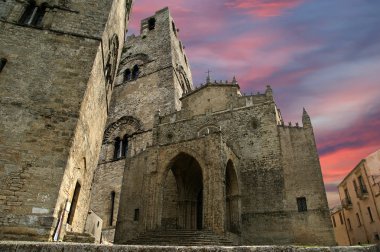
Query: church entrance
{"type": "Point", "coordinates": [183, 195]}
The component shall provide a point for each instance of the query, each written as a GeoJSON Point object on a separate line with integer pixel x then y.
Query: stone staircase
{"type": "Point", "coordinates": [78, 237]}
{"type": "Point", "coordinates": [180, 238]}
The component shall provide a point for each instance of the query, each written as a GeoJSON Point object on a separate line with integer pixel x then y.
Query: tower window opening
{"type": "Point", "coordinates": [135, 72]}
{"type": "Point", "coordinates": [136, 217]}
{"type": "Point", "coordinates": [118, 148]}
{"type": "Point", "coordinates": [33, 14]}
{"type": "Point", "coordinates": [301, 203]}
{"type": "Point", "coordinates": [3, 61]}
{"type": "Point", "coordinates": [333, 219]}
{"type": "Point", "coordinates": [124, 146]}
{"type": "Point", "coordinates": [127, 75]}
{"type": "Point", "coordinates": [151, 24]}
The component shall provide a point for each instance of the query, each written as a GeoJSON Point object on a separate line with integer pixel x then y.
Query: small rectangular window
{"type": "Point", "coordinates": [301, 203]}
{"type": "Point", "coordinates": [370, 214]}
{"type": "Point", "coordinates": [349, 224]}
{"type": "Point", "coordinates": [3, 61]}
{"type": "Point", "coordinates": [341, 218]}
{"type": "Point", "coordinates": [358, 218]}
{"type": "Point", "coordinates": [137, 215]}
{"type": "Point", "coordinates": [333, 220]}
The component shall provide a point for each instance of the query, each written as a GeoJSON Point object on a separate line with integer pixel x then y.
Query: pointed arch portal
{"type": "Point", "coordinates": [183, 194]}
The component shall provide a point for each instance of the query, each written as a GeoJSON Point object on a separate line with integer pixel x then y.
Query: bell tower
{"type": "Point", "coordinates": [153, 75]}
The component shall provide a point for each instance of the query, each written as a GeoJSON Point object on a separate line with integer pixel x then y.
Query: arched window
{"type": "Point", "coordinates": [33, 14]}
{"type": "Point", "coordinates": [135, 72]}
{"type": "Point", "coordinates": [118, 148]}
{"type": "Point", "coordinates": [127, 75]}
{"type": "Point", "coordinates": [3, 61]}
{"type": "Point", "coordinates": [125, 146]}
{"type": "Point", "coordinates": [151, 23]}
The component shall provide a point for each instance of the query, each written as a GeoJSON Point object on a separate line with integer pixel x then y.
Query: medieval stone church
{"type": "Point", "coordinates": [101, 134]}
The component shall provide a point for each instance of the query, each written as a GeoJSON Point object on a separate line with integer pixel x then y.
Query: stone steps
{"type": "Point", "coordinates": [78, 237]}
{"type": "Point", "coordinates": [180, 238]}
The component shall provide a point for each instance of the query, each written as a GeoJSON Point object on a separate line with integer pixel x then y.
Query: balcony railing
{"type": "Point", "coordinates": [362, 192]}
{"type": "Point", "coordinates": [347, 203]}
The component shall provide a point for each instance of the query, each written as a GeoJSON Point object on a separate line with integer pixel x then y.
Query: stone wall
{"type": "Point", "coordinates": [72, 247]}
{"type": "Point", "coordinates": [276, 165]}
{"type": "Point", "coordinates": [135, 102]}
{"type": "Point", "coordinates": [53, 109]}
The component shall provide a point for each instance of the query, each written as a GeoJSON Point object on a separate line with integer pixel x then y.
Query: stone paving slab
{"type": "Point", "coordinates": [75, 247]}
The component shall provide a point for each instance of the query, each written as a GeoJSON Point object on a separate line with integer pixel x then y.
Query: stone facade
{"type": "Point", "coordinates": [360, 196]}
{"type": "Point", "coordinates": [175, 157]}
{"type": "Point", "coordinates": [162, 77]}
{"type": "Point", "coordinates": [171, 156]}
{"type": "Point", "coordinates": [55, 91]}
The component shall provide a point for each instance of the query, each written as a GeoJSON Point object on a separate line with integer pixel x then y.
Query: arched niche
{"type": "Point", "coordinates": [233, 206]}
{"type": "Point", "coordinates": [183, 194]}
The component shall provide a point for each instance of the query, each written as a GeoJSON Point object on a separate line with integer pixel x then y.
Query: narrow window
{"type": "Point", "coordinates": [125, 146]}
{"type": "Point", "coordinates": [370, 214]}
{"type": "Point", "coordinates": [349, 224]}
{"type": "Point", "coordinates": [358, 218]}
{"type": "Point", "coordinates": [127, 75]}
{"type": "Point", "coordinates": [341, 218]}
{"type": "Point", "coordinates": [33, 14]}
{"type": "Point", "coordinates": [356, 188]}
{"type": "Point", "coordinates": [333, 219]}
{"type": "Point", "coordinates": [118, 148]}
{"type": "Point", "coordinates": [39, 15]}
{"type": "Point", "coordinates": [29, 13]}
{"type": "Point", "coordinates": [135, 72]}
{"type": "Point", "coordinates": [348, 198]}
{"type": "Point", "coordinates": [185, 60]}
{"type": "Point", "coordinates": [112, 207]}
{"type": "Point", "coordinates": [3, 61]}
{"type": "Point", "coordinates": [174, 29]}
{"type": "Point", "coordinates": [74, 203]}
{"type": "Point", "coordinates": [363, 188]}
{"type": "Point", "coordinates": [301, 203]}
{"type": "Point", "coordinates": [137, 215]}
{"type": "Point", "coordinates": [151, 24]}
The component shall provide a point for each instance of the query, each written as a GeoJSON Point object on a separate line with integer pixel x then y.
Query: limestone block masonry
{"type": "Point", "coordinates": [72, 247]}
{"type": "Point", "coordinates": [208, 158]}
{"type": "Point", "coordinates": [55, 91]}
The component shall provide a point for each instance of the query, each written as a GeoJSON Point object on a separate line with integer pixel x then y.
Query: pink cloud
{"type": "Point", "coordinates": [336, 165]}
{"type": "Point", "coordinates": [263, 8]}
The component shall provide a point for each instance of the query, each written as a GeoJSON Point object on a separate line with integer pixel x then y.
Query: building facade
{"type": "Point", "coordinates": [58, 64]}
{"type": "Point", "coordinates": [172, 157]}
{"type": "Point", "coordinates": [360, 197]}
{"type": "Point", "coordinates": [179, 158]}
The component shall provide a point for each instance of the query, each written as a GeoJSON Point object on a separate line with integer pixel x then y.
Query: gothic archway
{"type": "Point", "coordinates": [232, 200]}
{"type": "Point", "coordinates": [183, 194]}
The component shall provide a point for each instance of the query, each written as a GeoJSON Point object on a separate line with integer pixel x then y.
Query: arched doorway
{"type": "Point", "coordinates": [232, 199]}
{"type": "Point", "coordinates": [183, 194]}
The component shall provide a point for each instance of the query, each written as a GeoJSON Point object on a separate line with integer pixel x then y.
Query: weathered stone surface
{"type": "Point", "coordinates": [53, 110]}
{"type": "Point", "coordinates": [73, 247]}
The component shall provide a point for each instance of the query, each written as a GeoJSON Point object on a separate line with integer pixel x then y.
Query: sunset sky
{"type": "Point", "coordinates": [323, 55]}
